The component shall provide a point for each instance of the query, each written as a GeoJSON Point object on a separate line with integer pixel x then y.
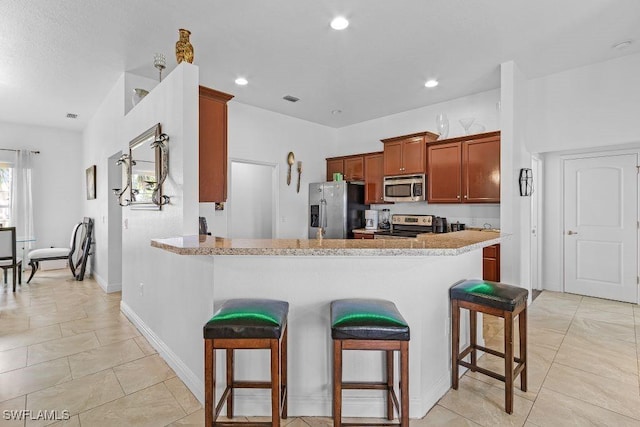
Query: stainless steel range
{"type": "Point", "coordinates": [407, 226]}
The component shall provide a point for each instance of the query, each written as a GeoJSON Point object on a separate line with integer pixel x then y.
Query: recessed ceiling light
{"type": "Point", "coordinates": [339, 23]}
{"type": "Point", "coordinates": [336, 111]}
{"type": "Point", "coordinates": [72, 116]}
{"type": "Point", "coordinates": [431, 83]}
{"type": "Point", "coordinates": [241, 81]}
{"type": "Point", "coordinates": [622, 45]}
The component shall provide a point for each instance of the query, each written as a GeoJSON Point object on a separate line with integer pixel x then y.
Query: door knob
{"type": "Point", "coordinates": [571, 233]}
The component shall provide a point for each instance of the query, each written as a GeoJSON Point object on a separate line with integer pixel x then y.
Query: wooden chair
{"type": "Point", "coordinates": [76, 254]}
{"type": "Point", "coordinates": [496, 299]}
{"type": "Point", "coordinates": [371, 324]}
{"type": "Point", "coordinates": [8, 258]}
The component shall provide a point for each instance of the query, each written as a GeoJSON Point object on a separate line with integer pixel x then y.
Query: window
{"type": "Point", "coordinates": [5, 193]}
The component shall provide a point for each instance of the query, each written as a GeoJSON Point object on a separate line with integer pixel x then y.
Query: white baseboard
{"type": "Point", "coordinates": [107, 287]}
{"type": "Point", "coordinates": [191, 380]}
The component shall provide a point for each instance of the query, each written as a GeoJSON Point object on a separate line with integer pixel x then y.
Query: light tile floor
{"type": "Point", "coordinates": [65, 345]}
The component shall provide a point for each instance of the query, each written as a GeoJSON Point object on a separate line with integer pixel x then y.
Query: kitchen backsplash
{"type": "Point", "coordinates": [470, 214]}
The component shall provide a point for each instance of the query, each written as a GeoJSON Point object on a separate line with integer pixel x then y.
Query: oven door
{"type": "Point", "coordinates": [404, 188]}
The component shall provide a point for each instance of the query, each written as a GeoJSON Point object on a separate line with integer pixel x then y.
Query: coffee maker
{"type": "Point", "coordinates": [440, 225]}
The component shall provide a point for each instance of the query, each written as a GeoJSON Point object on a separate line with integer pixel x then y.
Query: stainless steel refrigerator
{"type": "Point", "coordinates": [338, 207]}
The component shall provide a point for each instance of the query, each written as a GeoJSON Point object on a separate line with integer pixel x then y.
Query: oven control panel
{"type": "Point", "coordinates": [421, 220]}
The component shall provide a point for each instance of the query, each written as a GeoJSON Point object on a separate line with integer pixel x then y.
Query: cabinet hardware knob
{"type": "Point", "coordinates": [465, 196]}
{"type": "Point", "coordinates": [457, 197]}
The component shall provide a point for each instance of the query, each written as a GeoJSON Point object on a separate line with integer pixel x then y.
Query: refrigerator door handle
{"type": "Point", "coordinates": [323, 215]}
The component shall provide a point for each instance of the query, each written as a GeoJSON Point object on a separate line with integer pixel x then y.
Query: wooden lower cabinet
{"type": "Point", "coordinates": [357, 235]}
{"type": "Point", "coordinates": [491, 263]}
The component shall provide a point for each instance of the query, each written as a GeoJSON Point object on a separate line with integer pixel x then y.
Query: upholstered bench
{"type": "Point", "coordinates": [500, 300]}
{"type": "Point", "coordinates": [246, 324]}
{"type": "Point", "coordinates": [370, 324]}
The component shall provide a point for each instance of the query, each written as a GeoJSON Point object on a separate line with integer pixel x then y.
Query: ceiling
{"type": "Point", "coordinates": [63, 56]}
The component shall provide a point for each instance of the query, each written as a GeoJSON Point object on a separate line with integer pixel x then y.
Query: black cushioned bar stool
{"type": "Point", "coordinates": [370, 324]}
{"type": "Point", "coordinates": [499, 300]}
{"type": "Point", "coordinates": [246, 324]}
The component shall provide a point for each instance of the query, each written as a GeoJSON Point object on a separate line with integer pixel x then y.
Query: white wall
{"type": "Point", "coordinates": [264, 136]}
{"type": "Point", "coordinates": [101, 139]}
{"type": "Point", "coordinates": [58, 185]}
{"type": "Point", "coordinates": [251, 194]}
{"type": "Point", "coordinates": [592, 108]}
{"type": "Point", "coordinates": [515, 211]}
{"type": "Point", "coordinates": [365, 137]}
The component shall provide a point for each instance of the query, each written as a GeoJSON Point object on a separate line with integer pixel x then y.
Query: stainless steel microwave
{"type": "Point", "coordinates": [404, 188]}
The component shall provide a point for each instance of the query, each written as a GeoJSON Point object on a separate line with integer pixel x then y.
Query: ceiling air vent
{"type": "Point", "coordinates": [72, 116]}
{"type": "Point", "coordinates": [291, 98]}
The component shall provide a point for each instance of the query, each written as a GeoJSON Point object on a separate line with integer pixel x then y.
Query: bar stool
{"type": "Point", "coordinates": [499, 300]}
{"type": "Point", "coordinates": [370, 324]}
{"type": "Point", "coordinates": [246, 324]}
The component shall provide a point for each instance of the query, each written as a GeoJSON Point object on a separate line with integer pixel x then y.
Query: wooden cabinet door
{"type": "Point", "coordinates": [393, 158]}
{"type": "Point", "coordinates": [354, 168]}
{"type": "Point", "coordinates": [362, 235]}
{"type": "Point", "coordinates": [373, 178]}
{"type": "Point", "coordinates": [413, 156]}
{"type": "Point", "coordinates": [481, 171]}
{"type": "Point", "coordinates": [491, 263]}
{"type": "Point", "coordinates": [444, 173]}
{"type": "Point", "coordinates": [213, 145]}
{"type": "Point", "coordinates": [334, 166]}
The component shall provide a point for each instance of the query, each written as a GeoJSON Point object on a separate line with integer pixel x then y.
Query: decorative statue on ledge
{"type": "Point", "coordinates": [184, 49]}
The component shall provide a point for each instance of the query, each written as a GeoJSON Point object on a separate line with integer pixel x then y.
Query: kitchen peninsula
{"type": "Point", "coordinates": [414, 273]}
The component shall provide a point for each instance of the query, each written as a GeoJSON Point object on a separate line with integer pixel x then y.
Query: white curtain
{"type": "Point", "coordinates": [21, 200]}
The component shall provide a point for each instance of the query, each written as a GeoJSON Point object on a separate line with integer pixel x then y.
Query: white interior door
{"type": "Point", "coordinates": [536, 171]}
{"type": "Point", "coordinates": [600, 227]}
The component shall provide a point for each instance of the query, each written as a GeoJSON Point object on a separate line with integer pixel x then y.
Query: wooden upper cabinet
{"type": "Point", "coordinates": [373, 178]}
{"type": "Point", "coordinates": [334, 165]}
{"type": "Point", "coordinates": [393, 158]}
{"type": "Point", "coordinates": [444, 173]}
{"type": "Point", "coordinates": [481, 170]}
{"type": "Point", "coordinates": [406, 155]}
{"type": "Point", "coordinates": [354, 168]}
{"type": "Point", "coordinates": [465, 169]}
{"type": "Point", "coordinates": [213, 145]}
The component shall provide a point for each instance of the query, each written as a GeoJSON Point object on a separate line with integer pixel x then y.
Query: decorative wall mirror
{"type": "Point", "coordinates": [145, 169]}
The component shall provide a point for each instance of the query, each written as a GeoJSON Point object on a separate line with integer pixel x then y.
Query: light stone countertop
{"type": "Point", "coordinates": [424, 245]}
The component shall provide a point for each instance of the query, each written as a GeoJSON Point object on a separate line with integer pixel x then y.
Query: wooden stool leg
{"type": "Point", "coordinates": [230, 380]}
{"type": "Point", "coordinates": [455, 342]}
{"type": "Point", "coordinates": [404, 383]}
{"type": "Point", "coordinates": [209, 382]}
{"type": "Point", "coordinates": [390, 384]}
{"type": "Point", "coordinates": [283, 361]}
{"type": "Point", "coordinates": [522, 323]}
{"type": "Point", "coordinates": [275, 383]}
{"type": "Point", "coordinates": [473, 324]}
{"type": "Point", "coordinates": [337, 383]}
{"type": "Point", "coordinates": [508, 361]}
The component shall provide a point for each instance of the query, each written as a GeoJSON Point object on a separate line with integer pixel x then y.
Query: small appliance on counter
{"type": "Point", "coordinates": [371, 219]}
{"type": "Point", "coordinates": [440, 225]}
{"type": "Point", "coordinates": [383, 219]}
{"type": "Point", "coordinates": [456, 226]}
{"type": "Point", "coordinates": [203, 229]}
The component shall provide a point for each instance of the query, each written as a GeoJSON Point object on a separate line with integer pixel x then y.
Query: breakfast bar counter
{"type": "Point", "coordinates": [446, 244]}
{"type": "Point", "coordinates": [415, 274]}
